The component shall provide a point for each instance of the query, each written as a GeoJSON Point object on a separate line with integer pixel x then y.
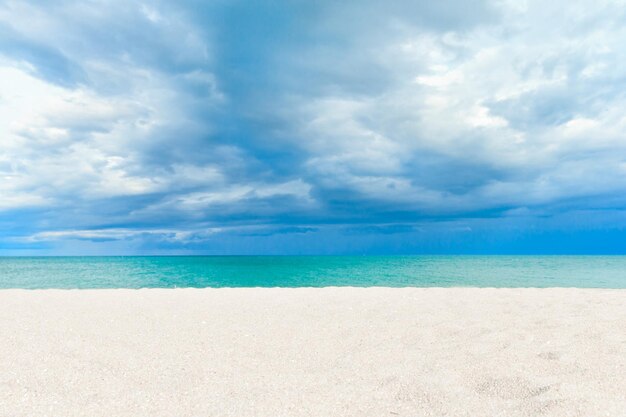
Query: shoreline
{"type": "Point", "coordinates": [340, 351]}
{"type": "Point", "coordinates": [325, 287]}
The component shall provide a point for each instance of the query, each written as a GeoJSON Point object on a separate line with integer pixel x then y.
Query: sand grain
{"type": "Point", "coordinates": [313, 352]}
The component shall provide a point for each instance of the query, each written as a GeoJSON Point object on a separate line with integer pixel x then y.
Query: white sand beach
{"type": "Point", "coordinates": [313, 352]}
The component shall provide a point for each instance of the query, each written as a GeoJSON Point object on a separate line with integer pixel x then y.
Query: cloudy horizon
{"type": "Point", "coordinates": [240, 127]}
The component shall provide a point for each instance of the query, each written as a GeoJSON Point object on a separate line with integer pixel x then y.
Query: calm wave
{"type": "Point", "coordinates": [314, 271]}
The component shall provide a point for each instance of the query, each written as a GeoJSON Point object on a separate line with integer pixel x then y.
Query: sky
{"type": "Point", "coordinates": [312, 127]}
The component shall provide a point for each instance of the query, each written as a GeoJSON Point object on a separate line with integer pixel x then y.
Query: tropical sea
{"type": "Point", "coordinates": [313, 271]}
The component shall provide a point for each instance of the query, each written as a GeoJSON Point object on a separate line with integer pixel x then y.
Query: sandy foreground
{"type": "Point", "coordinates": [313, 352]}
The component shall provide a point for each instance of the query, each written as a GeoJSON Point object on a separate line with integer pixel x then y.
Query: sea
{"type": "Point", "coordinates": [312, 271]}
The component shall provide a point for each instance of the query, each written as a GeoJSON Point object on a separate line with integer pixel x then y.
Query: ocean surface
{"type": "Point", "coordinates": [313, 271]}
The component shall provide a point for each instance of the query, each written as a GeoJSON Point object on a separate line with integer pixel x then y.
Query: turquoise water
{"type": "Point", "coordinates": [314, 271]}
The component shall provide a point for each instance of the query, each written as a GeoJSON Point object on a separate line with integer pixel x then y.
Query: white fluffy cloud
{"type": "Point", "coordinates": [529, 104]}
{"type": "Point", "coordinates": [126, 125]}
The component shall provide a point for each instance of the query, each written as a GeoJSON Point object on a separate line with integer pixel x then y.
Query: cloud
{"type": "Point", "coordinates": [138, 122]}
{"type": "Point", "coordinates": [531, 117]}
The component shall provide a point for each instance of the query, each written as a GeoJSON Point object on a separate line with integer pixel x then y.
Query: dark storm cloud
{"type": "Point", "coordinates": [184, 124]}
